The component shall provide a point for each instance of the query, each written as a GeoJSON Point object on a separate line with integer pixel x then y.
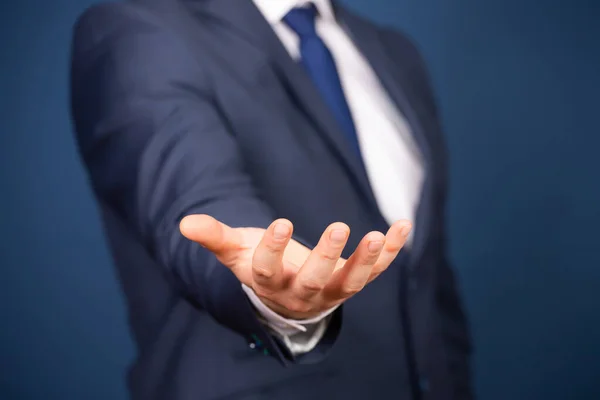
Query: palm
{"type": "Point", "coordinates": [291, 279]}
{"type": "Point", "coordinates": [240, 261]}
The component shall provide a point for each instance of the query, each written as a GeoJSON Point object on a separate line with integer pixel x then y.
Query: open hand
{"type": "Point", "coordinates": [289, 278]}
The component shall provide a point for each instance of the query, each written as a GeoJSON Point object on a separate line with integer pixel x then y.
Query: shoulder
{"type": "Point", "coordinates": [122, 53]}
{"type": "Point", "coordinates": [103, 20]}
{"type": "Point", "coordinates": [130, 33]}
{"type": "Point", "coordinates": [110, 20]}
{"type": "Point", "coordinates": [398, 44]}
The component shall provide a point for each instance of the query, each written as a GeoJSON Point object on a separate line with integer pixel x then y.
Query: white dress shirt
{"type": "Point", "coordinates": [391, 158]}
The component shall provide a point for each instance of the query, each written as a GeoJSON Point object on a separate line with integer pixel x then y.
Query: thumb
{"type": "Point", "coordinates": [210, 233]}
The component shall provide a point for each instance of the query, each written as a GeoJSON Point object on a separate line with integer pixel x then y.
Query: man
{"type": "Point", "coordinates": [225, 140]}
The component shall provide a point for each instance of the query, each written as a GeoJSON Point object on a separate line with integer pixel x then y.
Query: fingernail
{"type": "Point", "coordinates": [405, 230]}
{"type": "Point", "coordinates": [281, 231]}
{"type": "Point", "coordinates": [375, 246]}
{"type": "Point", "coordinates": [337, 235]}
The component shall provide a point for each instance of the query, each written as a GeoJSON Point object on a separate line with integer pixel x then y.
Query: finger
{"type": "Point", "coordinates": [350, 279]}
{"type": "Point", "coordinates": [317, 270]}
{"type": "Point", "coordinates": [394, 241]}
{"type": "Point", "coordinates": [210, 233]}
{"type": "Point", "coordinates": [267, 264]}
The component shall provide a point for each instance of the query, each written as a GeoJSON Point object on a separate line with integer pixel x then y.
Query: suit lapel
{"type": "Point", "coordinates": [394, 79]}
{"type": "Point", "coordinates": [244, 18]}
{"type": "Point", "coordinates": [397, 83]}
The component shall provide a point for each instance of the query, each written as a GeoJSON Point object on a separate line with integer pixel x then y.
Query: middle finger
{"type": "Point", "coordinates": [316, 271]}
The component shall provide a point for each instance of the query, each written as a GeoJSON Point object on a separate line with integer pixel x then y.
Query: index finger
{"type": "Point", "coordinates": [267, 262]}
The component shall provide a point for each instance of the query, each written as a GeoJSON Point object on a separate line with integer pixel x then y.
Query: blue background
{"type": "Point", "coordinates": [518, 83]}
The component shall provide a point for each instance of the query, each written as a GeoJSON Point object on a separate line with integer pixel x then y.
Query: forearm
{"type": "Point", "coordinates": [156, 149]}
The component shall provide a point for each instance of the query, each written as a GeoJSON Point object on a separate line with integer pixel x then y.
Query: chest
{"type": "Point", "coordinates": [285, 135]}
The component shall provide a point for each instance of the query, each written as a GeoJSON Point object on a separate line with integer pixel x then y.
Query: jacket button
{"type": "Point", "coordinates": [424, 384]}
{"type": "Point", "coordinates": [412, 284]}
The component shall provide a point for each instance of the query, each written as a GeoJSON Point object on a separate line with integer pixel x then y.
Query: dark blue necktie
{"type": "Point", "coordinates": [319, 64]}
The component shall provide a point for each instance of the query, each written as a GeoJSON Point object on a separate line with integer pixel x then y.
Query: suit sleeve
{"type": "Point", "coordinates": [157, 149]}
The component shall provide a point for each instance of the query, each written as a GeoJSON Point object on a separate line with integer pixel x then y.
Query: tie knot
{"type": "Point", "coordinates": [302, 20]}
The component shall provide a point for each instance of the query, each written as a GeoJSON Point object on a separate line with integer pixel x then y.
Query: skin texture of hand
{"type": "Point", "coordinates": [289, 278]}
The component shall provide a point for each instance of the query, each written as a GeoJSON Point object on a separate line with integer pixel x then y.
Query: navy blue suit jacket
{"type": "Point", "coordinates": [194, 106]}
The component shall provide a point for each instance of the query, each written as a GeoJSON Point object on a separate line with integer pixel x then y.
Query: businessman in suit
{"type": "Point", "coordinates": [232, 145]}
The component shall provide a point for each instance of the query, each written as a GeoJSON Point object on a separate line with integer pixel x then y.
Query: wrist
{"type": "Point", "coordinates": [299, 316]}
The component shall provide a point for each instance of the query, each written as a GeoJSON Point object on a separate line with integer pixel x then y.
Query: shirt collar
{"type": "Point", "coordinates": [275, 10]}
